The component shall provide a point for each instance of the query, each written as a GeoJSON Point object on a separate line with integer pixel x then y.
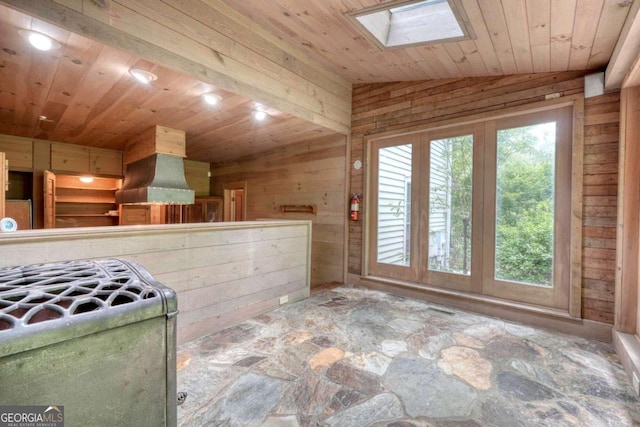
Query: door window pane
{"type": "Point", "coordinates": [525, 204]}
{"type": "Point", "coordinates": [394, 205]}
{"type": "Point", "coordinates": [450, 198]}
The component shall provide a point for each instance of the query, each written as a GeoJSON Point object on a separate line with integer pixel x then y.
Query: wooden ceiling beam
{"type": "Point", "coordinates": [254, 66]}
{"type": "Point", "coordinates": [622, 70]}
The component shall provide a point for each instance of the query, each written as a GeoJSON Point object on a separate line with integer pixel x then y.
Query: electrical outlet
{"type": "Point", "coordinates": [284, 299]}
{"type": "Point", "coordinates": [635, 383]}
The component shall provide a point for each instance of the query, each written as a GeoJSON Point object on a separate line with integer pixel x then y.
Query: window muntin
{"type": "Point", "coordinates": [407, 219]}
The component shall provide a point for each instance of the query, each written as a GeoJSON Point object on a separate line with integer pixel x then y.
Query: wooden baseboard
{"type": "Point", "coordinates": [541, 317]}
{"type": "Point", "coordinates": [628, 348]}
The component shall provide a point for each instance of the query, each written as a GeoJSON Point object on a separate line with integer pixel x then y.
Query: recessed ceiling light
{"type": "Point", "coordinates": [259, 112]}
{"type": "Point", "coordinates": [211, 98]}
{"type": "Point", "coordinates": [39, 40]}
{"type": "Point", "coordinates": [143, 76]}
{"type": "Point", "coordinates": [259, 115]}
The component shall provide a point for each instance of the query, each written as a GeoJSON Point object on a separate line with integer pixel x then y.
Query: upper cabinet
{"type": "Point", "coordinates": [105, 162]}
{"type": "Point", "coordinates": [62, 157]}
{"type": "Point", "coordinates": [69, 158]}
{"type": "Point", "coordinates": [19, 152]}
{"type": "Point", "coordinates": [82, 159]}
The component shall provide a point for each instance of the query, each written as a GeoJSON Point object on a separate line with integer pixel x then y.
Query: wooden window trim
{"type": "Point", "coordinates": [558, 295]}
{"type": "Point", "coordinates": [627, 309]}
{"type": "Point", "coordinates": [577, 150]}
{"type": "Point", "coordinates": [443, 279]}
{"type": "Point", "coordinates": [390, 270]}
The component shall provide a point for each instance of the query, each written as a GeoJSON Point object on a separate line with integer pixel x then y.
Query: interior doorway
{"type": "Point", "coordinates": [234, 204]}
{"type": "Point", "coordinates": [235, 201]}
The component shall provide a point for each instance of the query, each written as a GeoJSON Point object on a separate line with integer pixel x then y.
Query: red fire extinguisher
{"type": "Point", "coordinates": [355, 207]}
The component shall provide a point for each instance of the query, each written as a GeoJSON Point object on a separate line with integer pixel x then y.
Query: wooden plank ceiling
{"type": "Point", "coordinates": [512, 37]}
{"type": "Point", "coordinates": [89, 98]}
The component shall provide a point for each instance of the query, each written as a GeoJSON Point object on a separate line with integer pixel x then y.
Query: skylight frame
{"type": "Point", "coordinates": [454, 5]}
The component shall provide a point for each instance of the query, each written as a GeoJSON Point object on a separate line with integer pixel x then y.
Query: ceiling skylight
{"type": "Point", "coordinates": [411, 23]}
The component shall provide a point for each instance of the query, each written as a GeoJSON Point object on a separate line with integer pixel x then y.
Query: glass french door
{"type": "Point", "coordinates": [483, 208]}
{"type": "Point", "coordinates": [527, 208]}
{"type": "Point", "coordinates": [392, 222]}
{"type": "Point", "coordinates": [451, 230]}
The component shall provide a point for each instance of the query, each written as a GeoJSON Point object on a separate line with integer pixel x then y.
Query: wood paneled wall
{"type": "Point", "coordinates": [408, 106]}
{"type": "Point", "coordinates": [601, 136]}
{"type": "Point", "coordinates": [308, 173]}
{"type": "Point", "coordinates": [222, 273]}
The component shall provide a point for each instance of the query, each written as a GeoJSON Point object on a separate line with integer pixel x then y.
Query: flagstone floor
{"type": "Point", "coordinates": [355, 358]}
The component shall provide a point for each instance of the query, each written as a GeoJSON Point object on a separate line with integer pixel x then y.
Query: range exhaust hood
{"type": "Point", "coordinates": [158, 178]}
{"type": "Point", "coordinates": [154, 171]}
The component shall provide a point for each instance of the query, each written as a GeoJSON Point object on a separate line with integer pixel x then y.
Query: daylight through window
{"type": "Point", "coordinates": [413, 23]}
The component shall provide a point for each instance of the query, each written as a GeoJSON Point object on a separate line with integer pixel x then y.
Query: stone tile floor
{"type": "Point", "coordinates": [354, 357]}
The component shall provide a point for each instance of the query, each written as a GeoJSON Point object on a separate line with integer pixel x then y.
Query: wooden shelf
{"type": "Point", "coordinates": [98, 183]}
{"type": "Point", "coordinates": [78, 204]}
{"type": "Point", "coordinates": [312, 209]}
{"type": "Point", "coordinates": [83, 200]}
{"type": "Point", "coordinates": [84, 196]}
{"type": "Point", "coordinates": [87, 215]}
{"type": "Point", "coordinates": [79, 187]}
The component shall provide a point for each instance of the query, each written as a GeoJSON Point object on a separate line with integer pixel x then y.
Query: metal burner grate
{"type": "Point", "coordinates": [46, 292]}
{"type": "Point", "coordinates": [94, 334]}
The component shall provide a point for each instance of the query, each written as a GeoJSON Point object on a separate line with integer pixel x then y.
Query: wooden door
{"type": "Point", "coordinates": [234, 205]}
{"type": "Point", "coordinates": [4, 172]}
{"type": "Point", "coordinates": [49, 199]}
{"type": "Point", "coordinates": [235, 199]}
{"type": "Point", "coordinates": [238, 202]}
